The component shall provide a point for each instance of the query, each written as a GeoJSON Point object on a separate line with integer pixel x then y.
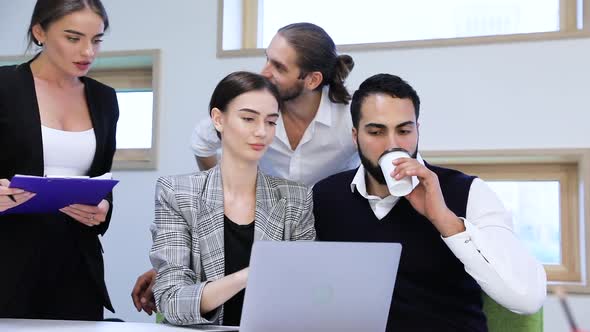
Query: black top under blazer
{"type": "Point", "coordinates": [22, 153]}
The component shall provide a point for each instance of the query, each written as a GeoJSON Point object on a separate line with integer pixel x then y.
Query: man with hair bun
{"type": "Point", "coordinates": [313, 132]}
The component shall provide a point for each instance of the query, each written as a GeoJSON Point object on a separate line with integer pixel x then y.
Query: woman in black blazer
{"type": "Point", "coordinates": [53, 118]}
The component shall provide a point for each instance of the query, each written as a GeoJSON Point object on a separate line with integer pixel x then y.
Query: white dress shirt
{"type": "Point", "coordinates": [488, 248]}
{"type": "Point", "coordinates": [326, 147]}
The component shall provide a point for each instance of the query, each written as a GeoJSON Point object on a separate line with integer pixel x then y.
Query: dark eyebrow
{"type": "Point", "coordinates": [275, 62]}
{"type": "Point", "coordinates": [382, 126]}
{"type": "Point", "coordinates": [74, 32]}
{"type": "Point", "coordinates": [249, 111]}
{"type": "Point", "coordinates": [278, 64]}
{"type": "Point", "coordinates": [256, 112]}
{"type": "Point", "coordinates": [375, 125]}
{"type": "Point", "coordinates": [403, 124]}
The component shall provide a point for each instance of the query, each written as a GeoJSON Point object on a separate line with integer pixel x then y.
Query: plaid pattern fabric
{"type": "Point", "coordinates": [188, 248]}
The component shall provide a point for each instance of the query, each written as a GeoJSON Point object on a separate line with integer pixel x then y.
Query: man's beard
{"type": "Point", "coordinates": [374, 169]}
{"type": "Point", "coordinates": [292, 93]}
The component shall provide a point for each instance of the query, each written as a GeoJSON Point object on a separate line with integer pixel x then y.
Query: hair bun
{"type": "Point", "coordinates": [347, 61]}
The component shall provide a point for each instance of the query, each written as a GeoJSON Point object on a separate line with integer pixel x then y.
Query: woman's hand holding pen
{"type": "Point", "coordinates": [88, 215]}
{"type": "Point", "coordinates": [11, 197]}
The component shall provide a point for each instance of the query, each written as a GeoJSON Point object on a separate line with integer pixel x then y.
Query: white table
{"type": "Point", "coordinates": [39, 325]}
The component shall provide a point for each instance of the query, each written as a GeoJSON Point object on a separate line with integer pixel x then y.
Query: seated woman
{"type": "Point", "coordinates": [206, 223]}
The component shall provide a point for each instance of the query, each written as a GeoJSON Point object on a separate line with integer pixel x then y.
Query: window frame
{"type": "Point", "coordinates": [569, 166]}
{"type": "Point", "coordinates": [129, 77]}
{"type": "Point", "coordinates": [568, 30]}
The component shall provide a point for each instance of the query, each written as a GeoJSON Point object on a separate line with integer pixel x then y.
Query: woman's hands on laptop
{"type": "Point", "coordinates": [215, 293]}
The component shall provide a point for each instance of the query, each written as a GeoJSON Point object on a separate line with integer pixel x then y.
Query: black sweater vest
{"type": "Point", "coordinates": [432, 290]}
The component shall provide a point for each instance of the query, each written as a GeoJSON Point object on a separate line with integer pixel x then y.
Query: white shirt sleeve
{"type": "Point", "coordinates": [494, 257]}
{"type": "Point", "coordinates": [204, 140]}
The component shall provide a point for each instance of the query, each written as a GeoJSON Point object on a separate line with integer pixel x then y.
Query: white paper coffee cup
{"type": "Point", "coordinates": [400, 187]}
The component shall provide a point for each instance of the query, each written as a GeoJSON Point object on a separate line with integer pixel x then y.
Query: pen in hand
{"type": "Point", "coordinates": [5, 183]}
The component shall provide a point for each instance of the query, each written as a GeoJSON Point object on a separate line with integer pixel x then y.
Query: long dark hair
{"type": "Point", "coordinates": [236, 84]}
{"type": "Point", "coordinates": [316, 51]}
{"type": "Point", "coordinates": [48, 11]}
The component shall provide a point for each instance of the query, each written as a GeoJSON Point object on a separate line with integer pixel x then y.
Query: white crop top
{"type": "Point", "coordinates": [68, 153]}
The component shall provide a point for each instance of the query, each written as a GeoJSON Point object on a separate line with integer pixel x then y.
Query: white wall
{"type": "Point", "coordinates": [525, 95]}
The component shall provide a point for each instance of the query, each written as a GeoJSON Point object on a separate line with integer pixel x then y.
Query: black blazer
{"type": "Point", "coordinates": [21, 152]}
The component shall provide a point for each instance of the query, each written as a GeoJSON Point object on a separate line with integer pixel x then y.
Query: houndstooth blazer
{"type": "Point", "coordinates": [188, 248]}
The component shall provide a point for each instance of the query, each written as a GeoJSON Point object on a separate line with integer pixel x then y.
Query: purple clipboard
{"type": "Point", "coordinates": [56, 193]}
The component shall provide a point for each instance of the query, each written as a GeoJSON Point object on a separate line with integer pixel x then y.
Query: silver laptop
{"type": "Point", "coordinates": [319, 286]}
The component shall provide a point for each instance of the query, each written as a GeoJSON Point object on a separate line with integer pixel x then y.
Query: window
{"type": "Point", "coordinates": [138, 113]}
{"type": "Point", "coordinates": [133, 76]}
{"type": "Point", "coordinates": [544, 191]}
{"type": "Point", "coordinates": [535, 209]}
{"type": "Point", "coordinates": [248, 24]}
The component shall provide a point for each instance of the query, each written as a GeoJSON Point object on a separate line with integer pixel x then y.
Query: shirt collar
{"type": "Point", "coordinates": [359, 183]}
{"type": "Point", "coordinates": [324, 114]}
